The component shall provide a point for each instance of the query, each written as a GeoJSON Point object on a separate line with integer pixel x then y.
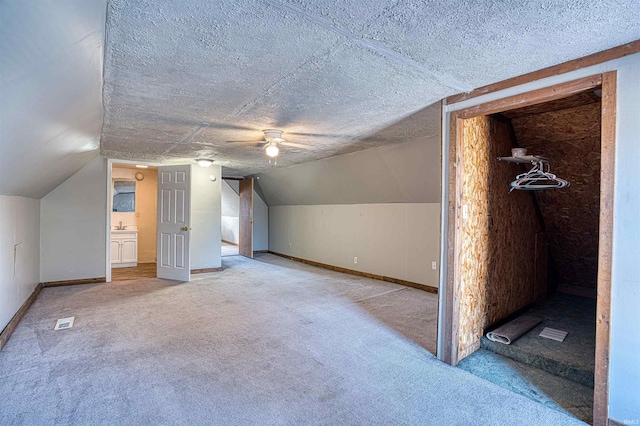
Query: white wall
{"type": "Point", "coordinates": [625, 321]}
{"type": "Point", "coordinates": [394, 240]}
{"type": "Point", "coordinates": [396, 173]}
{"type": "Point", "coordinates": [260, 223]}
{"type": "Point", "coordinates": [19, 253]}
{"type": "Point", "coordinates": [624, 372]}
{"type": "Point", "coordinates": [230, 213]}
{"type": "Point", "coordinates": [73, 219]}
{"type": "Point", "coordinates": [205, 247]}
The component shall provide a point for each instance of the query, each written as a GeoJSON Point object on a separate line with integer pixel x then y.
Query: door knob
{"type": "Point", "coordinates": [184, 228]}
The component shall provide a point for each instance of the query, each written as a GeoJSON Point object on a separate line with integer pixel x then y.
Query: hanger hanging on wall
{"type": "Point", "coordinates": [539, 177]}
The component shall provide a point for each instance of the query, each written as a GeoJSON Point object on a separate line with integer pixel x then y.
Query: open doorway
{"type": "Point", "coordinates": [230, 217]}
{"type": "Point", "coordinates": [245, 218]}
{"type": "Point", "coordinates": [542, 253]}
{"type": "Point", "coordinates": [133, 230]}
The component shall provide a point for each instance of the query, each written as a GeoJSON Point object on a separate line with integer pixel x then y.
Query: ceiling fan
{"type": "Point", "coordinates": [272, 140]}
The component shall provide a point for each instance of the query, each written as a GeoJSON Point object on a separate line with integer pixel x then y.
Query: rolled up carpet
{"type": "Point", "coordinates": [512, 330]}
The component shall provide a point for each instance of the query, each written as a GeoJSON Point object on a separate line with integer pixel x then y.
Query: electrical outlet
{"type": "Point", "coordinates": [289, 245]}
{"type": "Point", "coordinates": [465, 211]}
{"type": "Point", "coordinates": [355, 260]}
{"type": "Point", "coordinates": [434, 265]}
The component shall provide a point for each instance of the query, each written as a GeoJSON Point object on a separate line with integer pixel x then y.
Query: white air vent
{"type": "Point", "coordinates": [64, 323]}
{"type": "Point", "coordinates": [553, 334]}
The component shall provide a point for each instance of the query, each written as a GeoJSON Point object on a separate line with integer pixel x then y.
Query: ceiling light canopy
{"type": "Point", "coordinates": [204, 162]}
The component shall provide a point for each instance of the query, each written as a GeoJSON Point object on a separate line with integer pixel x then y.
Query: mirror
{"type": "Point", "coordinates": [124, 196]}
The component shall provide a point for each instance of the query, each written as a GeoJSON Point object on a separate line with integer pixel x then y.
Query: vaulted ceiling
{"type": "Point", "coordinates": [183, 77]}
{"type": "Point", "coordinates": [51, 57]}
{"type": "Point", "coordinates": [180, 78]}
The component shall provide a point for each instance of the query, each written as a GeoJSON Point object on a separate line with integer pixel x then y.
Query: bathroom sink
{"type": "Point", "coordinates": [121, 231]}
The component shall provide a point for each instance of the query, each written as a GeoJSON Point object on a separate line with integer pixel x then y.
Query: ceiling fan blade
{"type": "Point", "coordinates": [298, 145]}
{"type": "Point", "coordinates": [319, 135]}
{"type": "Point", "coordinates": [245, 141]}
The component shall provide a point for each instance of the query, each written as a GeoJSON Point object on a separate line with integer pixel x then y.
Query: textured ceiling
{"type": "Point", "coordinates": [182, 77]}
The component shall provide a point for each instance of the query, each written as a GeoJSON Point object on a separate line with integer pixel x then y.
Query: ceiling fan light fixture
{"type": "Point", "coordinates": [272, 150]}
{"type": "Point", "coordinates": [273, 134]}
{"type": "Point", "coordinates": [204, 162]}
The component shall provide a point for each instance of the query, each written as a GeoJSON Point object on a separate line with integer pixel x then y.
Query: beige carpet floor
{"type": "Point", "coordinates": [265, 341]}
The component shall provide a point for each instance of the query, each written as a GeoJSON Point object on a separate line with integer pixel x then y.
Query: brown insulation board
{"type": "Point", "coordinates": [579, 99]}
{"type": "Point", "coordinates": [570, 138]}
{"type": "Point", "coordinates": [498, 246]}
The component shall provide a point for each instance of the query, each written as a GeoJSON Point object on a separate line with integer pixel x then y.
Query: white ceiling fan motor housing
{"type": "Point", "coordinates": [272, 134]}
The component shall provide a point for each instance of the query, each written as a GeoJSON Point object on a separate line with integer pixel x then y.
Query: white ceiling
{"type": "Point", "coordinates": [182, 77]}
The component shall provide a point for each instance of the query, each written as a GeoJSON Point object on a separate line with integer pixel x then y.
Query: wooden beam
{"type": "Point", "coordinates": [9, 329]}
{"type": "Point", "coordinates": [450, 315]}
{"type": "Point", "coordinates": [75, 282]}
{"type": "Point", "coordinates": [605, 248]}
{"type": "Point", "coordinates": [539, 96]}
{"type": "Point", "coordinates": [206, 270]}
{"type": "Point", "coordinates": [458, 203]}
{"type": "Point", "coordinates": [586, 61]}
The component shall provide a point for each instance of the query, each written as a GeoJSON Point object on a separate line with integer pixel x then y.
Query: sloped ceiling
{"type": "Point", "coordinates": [50, 91]}
{"type": "Point", "coordinates": [183, 77]}
{"type": "Point", "coordinates": [406, 172]}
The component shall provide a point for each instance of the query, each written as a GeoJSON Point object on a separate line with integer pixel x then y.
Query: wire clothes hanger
{"type": "Point", "coordinates": [538, 178]}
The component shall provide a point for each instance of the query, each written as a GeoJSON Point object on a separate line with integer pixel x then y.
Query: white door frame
{"type": "Point", "coordinates": [107, 228]}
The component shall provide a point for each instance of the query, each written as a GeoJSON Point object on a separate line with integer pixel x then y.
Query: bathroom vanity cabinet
{"type": "Point", "coordinates": [124, 249]}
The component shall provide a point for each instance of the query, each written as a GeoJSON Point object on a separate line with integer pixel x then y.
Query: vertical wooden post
{"type": "Point", "coordinates": [603, 310]}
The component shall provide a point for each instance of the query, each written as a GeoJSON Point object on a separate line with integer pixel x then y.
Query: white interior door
{"type": "Point", "coordinates": [174, 222]}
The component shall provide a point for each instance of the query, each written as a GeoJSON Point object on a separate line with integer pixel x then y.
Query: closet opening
{"type": "Point", "coordinates": [529, 243]}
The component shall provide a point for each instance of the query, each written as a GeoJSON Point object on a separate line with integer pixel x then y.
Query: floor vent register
{"type": "Point", "coordinates": [64, 323]}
